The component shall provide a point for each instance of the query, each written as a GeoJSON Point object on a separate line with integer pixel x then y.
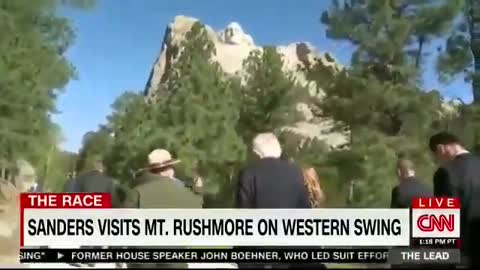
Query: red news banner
{"type": "Point", "coordinates": [436, 222]}
{"type": "Point", "coordinates": [61, 201]}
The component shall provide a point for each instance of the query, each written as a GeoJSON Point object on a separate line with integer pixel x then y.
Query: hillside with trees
{"type": "Point", "coordinates": [34, 71]}
{"type": "Point", "coordinates": [208, 118]}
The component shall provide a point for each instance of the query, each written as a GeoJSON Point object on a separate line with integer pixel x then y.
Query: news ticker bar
{"type": "Point", "coordinates": [253, 255]}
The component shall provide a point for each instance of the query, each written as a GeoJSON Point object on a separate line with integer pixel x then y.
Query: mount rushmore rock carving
{"type": "Point", "coordinates": [233, 46]}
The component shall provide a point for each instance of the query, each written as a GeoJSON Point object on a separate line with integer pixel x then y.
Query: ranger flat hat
{"type": "Point", "coordinates": [160, 158]}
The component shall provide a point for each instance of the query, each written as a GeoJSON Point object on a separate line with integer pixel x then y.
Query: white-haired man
{"type": "Point", "coordinates": [271, 182]}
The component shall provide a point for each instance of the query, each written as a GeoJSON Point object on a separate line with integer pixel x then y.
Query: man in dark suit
{"type": "Point", "coordinates": [70, 185]}
{"type": "Point", "coordinates": [270, 182]}
{"type": "Point", "coordinates": [409, 187]}
{"type": "Point", "coordinates": [459, 177]}
{"type": "Point", "coordinates": [96, 181]}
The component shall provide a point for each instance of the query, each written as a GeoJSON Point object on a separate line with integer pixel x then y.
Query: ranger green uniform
{"type": "Point", "coordinates": [156, 191]}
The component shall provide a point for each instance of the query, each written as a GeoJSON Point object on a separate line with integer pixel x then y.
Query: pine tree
{"type": "Point", "coordinates": [197, 122]}
{"type": "Point", "coordinates": [378, 98]}
{"type": "Point", "coordinates": [58, 165]}
{"type": "Point", "coordinates": [269, 95]}
{"type": "Point", "coordinates": [465, 123]}
{"type": "Point", "coordinates": [95, 146]}
{"type": "Point", "coordinates": [130, 124]}
{"type": "Point", "coordinates": [34, 70]}
{"type": "Point", "coordinates": [460, 56]}
{"type": "Point", "coordinates": [460, 53]}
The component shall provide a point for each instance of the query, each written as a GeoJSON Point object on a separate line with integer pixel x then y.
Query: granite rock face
{"type": "Point", "coordinates": [233, 45]}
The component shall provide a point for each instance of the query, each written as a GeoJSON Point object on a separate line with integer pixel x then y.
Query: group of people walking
{"type": "Point", "coordinates": [273, 182]}
{"type": "Point", "coordinates": [269, 182]}
{"type": "Point", "coordinates": [458, 176]}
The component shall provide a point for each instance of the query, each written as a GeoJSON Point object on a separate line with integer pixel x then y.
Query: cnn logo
{"type": "Point", "coordinates": [434, 218]}
{"type": "Point", "coordinates": [430, 223]}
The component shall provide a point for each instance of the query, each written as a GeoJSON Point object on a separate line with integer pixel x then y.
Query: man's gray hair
{"type": "Point", "coordinates": [267, 145]}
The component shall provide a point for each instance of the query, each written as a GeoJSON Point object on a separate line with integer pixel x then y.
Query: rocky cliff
{"type": "Point", "coordinates": [233, 46]}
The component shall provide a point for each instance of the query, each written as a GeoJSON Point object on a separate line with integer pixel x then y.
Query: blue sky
{"type": "Point", "coordinates": [118, 41]}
